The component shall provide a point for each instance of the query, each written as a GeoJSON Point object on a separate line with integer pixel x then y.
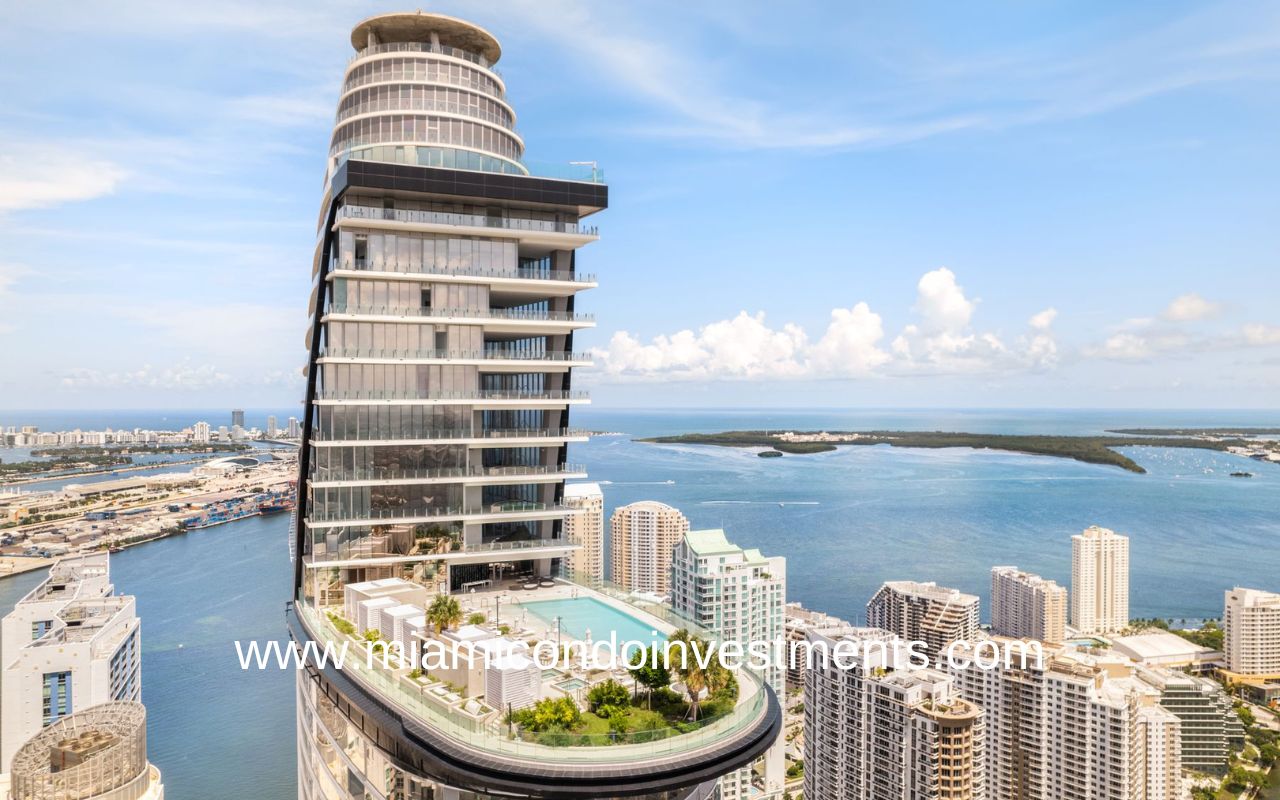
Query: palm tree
{"type": "Point", "coordinates": [444, 612]}
{"type": "Point", "coordinates": [692, 673]}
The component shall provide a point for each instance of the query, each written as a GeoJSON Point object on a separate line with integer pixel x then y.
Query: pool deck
{"type": "Point", "coordinates": [508, 602]}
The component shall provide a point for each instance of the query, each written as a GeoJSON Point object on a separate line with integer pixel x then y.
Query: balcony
{"type": "Point", "coordinates": [424, 47]}
{"type": "Point", "coordinates": [501, 120]}
{"type": "Point", "coordinates": [486, 359]}
{"type": "Point", "coordinates": [479, 222]}
{"type": "Point", "coordinates": [507, 511]}
{"type": "Point", "coordinates": [480, 398]}
{"type": "Point", "coordinates": [469, 475]}
{"type": "Point", "coordinates": [502, 437]}
{"type": "Point", "coordinates": [518, 273]}
{"type": "Point", "coordinates": [513, 316]}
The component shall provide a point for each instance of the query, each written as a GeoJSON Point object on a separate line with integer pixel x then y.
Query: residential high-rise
{"type": "Point", "coordinates": [1251, 632]}
{"type": "Point", "coordinates": [436, 427]}
{"type": "Point", "coordinates": [272, 428]}
{"type": "Point", "coordinates": [925, 612]}
{"type": "Point", "coordinates": [99, 753]}
{"type": "Point", "coordinates": [738, 596]}
{"type": "Point", "coordinates": [69, 644]}
{"type": "Point", "coordinates": [200, 432]}
{"type": "Point", "coordinates": [584, 527]}
{"type": "Point", "coordinates": [641, 538]}
{"type": "Point", "coordinates": [1209, 725]}
{"type": "Point", "coordinates": [294, 428]}
{"type": "Point", "coordinates": [1024, 605]}
{"type": "Point", "coordinates": [237, 417]}
{"type": "Point", "coordinates": [875, 729]}
{"type": "Point", "coordinates": [1099, 581]}
{"type": "Point", "coordinates": [797, 622]}
{"type": "Point", "coordinates": [1068, 725]}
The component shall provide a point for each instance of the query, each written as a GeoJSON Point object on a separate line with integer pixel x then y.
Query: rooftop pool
{"type": "Point", "coordinates": [578, 615]}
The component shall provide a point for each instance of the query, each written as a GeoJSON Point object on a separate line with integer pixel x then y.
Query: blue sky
{"type": "Point", "coordinates": [1049, 204]}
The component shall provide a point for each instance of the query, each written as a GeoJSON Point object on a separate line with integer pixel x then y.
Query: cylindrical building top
{"type": "Point", "coordinates": [421, 27]}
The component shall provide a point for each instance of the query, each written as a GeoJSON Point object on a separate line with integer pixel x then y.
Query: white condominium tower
{"type": "Point", "coordinates": [1070, 726]}
{"type": "Point", "coordinates": [925, 612]}
{"type": "Point", "coordinates": [69, 644]}
{"type": "Point", "coordinates": [875, 729]}
{"type": "Point", "coordinates": [1099, 581]}
{"type": "Point", "coordinates": [641, 538]}
{"type": "Point", "coordinates": [433, 444]}
{"type": "Point", "coordinates": [738, 596]}
{"type": "Point", "coordinates": [1251, 632]}
{"type": "Point", "coordinates": [584, 527]}
{"type": "Point", "coordinates": [1027, 606]}
{"type": "Point", "coordinates": [797, 623]}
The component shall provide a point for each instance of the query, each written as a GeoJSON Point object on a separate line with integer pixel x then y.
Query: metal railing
{"type": "Point", "coordinates": [478, 394]}
{"type": "Point", "coordinates": [349, 211]}
{"type": "Point", "coordinates": [450, 435]}
{"type": "Point", "coordinates": [536, 315]}
{"type": "Point", "coordinates": [522, 273]}
{"type": "Point", "coordinates": [337, 476]}
{"type": "Point", "coordinates": [454, 355]}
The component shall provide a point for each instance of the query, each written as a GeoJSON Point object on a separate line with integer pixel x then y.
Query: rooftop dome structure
{"type": "Point", "coordinates": [96, 754]}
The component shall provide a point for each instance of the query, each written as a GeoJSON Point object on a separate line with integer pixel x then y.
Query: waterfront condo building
{"type": "Point", "coordinates": [1099, 581]}
{"type": "Point", "coordinates": [1251, 632]}
{"type": "Point", "coordinates": [1027, 606]}
{"type": "Point", "coordinates": [925, 612]}
{"type": "Point", "coordinates": [1069, 726]}
{"type": "Point", "coordinates": [737, 596]}
{"type": "Point", "coordinates": [433, 447]}
{"type": "Point", "coordinates": [641, 538]}
{"type": "Point", "coordinates": [69, 644]}
{"type": "Point", "coordinates": [875, 729]}
{"type": "Point", "coordinates": [99, 753]}
{"type": "Point", "coordinates": [584, 527]}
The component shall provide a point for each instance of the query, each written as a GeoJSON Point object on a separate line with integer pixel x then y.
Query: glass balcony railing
{"type": "Point", "coordinates": [450, 435]}
{"type": "Point", "coordinates": [501, 120]}
{"type": "Point", "coordinates": [425, 47]}
{"type": "Point", "coordinates": [478, 394]}
{"type": "Point", "coordinates": [380, 515]}
{"type": "Point", "coordinates": [532, 315]}
{"type": "Point", "coordinates": [337, 476]}
{"type": "Point", "coordinates": [521, 273]}
{"type": "Point", "coordinates": [454, 355]}
{"type": "Point", "coordinates": [469, 220]}
{"type": "Point", "coordinates": [497, 739]}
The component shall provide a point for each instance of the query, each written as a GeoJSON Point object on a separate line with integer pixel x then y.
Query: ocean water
{"type": "Point", "coordinates": [848, 520]}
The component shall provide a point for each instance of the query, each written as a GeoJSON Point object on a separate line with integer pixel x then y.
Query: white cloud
{"type": "Point", "coordinates": [183, 377]}
{"type": "Point", "coordinates": [1043, 319]}
{"type": "Point", "coordinates": [745, 347]}
{"type": "Point", "coordinates": [1189, 308]}
{"type": "Point", "coordinates": [742, 347]}
{"type": "Point", "coordinates": [1261, 335]}
{"type": "Point", "coordinates": [850, 345]}
{"type": "Point", "coordinates": [43, 176]}
{"type": "Point", "coordinates": [1122, 347]}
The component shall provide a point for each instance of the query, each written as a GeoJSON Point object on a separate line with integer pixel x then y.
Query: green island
{"type": "Point", "coordinates": [1089, 449]}
{"type": "Point", "coordinates": [1197, 431]}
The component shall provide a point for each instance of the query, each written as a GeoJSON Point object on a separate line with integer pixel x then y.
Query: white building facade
{"type": "Point", "coordinates": [1024, 605]}
{"type": "Point", "coordinates": [584, 527]}
{"type": "Point", "coordinates": [69, 644]}
{"type": "Point", "coordinates": [1099, 581]}
{"type": "Point", "coordinates": [1251, 632]}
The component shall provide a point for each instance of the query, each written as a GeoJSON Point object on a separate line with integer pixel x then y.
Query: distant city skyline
{"type": "Point", "coordinates": [1019, 207]}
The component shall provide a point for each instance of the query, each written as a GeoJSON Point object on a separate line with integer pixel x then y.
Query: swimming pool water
{"type": "Point", "coordinates": [580, 614]}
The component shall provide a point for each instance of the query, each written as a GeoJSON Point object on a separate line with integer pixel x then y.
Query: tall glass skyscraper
{"type": "Point", "coordinates": [435, 437]}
